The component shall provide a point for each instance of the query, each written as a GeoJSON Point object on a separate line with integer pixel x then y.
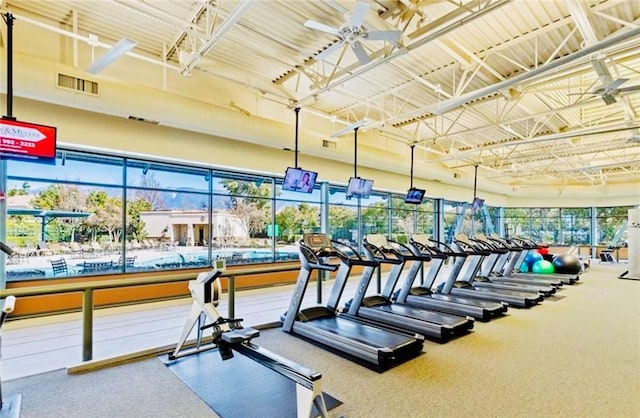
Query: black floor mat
{"type": "Point", "coordinates": [239, 387]}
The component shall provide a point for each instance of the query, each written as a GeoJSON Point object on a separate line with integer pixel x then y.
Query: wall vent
{"type": "Point", "coordinates": [77, 84]}
{"type": "Point", "coordinates": [326, 144]}
{"type": "Point", "coordinates": [139, 119]}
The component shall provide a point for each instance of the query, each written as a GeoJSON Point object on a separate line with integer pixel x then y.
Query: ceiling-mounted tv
{"type": "Point", "coordinates": [414, 196]}
{"type": "Point", "coordinates": [27, 141]}
{"type": "Point", "coordinates": [359, 187]}
{"type": "Point", "coordinates": [299, 180]}
{"type": "Point", "coordinates": [477, 204]}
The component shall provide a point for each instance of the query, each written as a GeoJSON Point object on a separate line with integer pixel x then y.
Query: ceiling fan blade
{"type": "Point", "coordinates": [325, 54]}
{"type": "Point", "coordinates": [616, 83]}
{"type": "Point", "coordinates": [361, 54]}
{"type": "Point", "coordinates": [630, 88]}
{"type": "Point", "coordinates": [311, 24]}
{"type": "Point", "coordinates": [358, 14]}
{"type": "Point", "coordinates": [384, 35]}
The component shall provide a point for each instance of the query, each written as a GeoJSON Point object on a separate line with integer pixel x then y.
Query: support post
{"type": "Point", "coordinates": [87, 324]}
{"type": "Point", "coordinates": [232, 296]}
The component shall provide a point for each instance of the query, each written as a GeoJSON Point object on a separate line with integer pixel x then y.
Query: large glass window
{"type": "Point", "coordinates": [243, 218]}
{"type": "Point", "coordinates": [93, 214]}
{"type": "Point", "coordinates": [375, 214]}
{"type": "Point", "coordinates": [575, 226]}
{"type": "Point", "coordinates": [611, 224]}
{"type": "Point", "coordinates": [64, 219]}
{"type": "Point", "coordinates": [296, 214]}
{"type": "Point", "coordinates": [343, 217]}
{"type": "Point", "coordinates": [453, 218]}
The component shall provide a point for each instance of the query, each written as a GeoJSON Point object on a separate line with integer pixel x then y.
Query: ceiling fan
{"type": "Point", "coordinates": [611, 88]}
{"type": "Point", "coordinates": [609, 92]}
{"type": "Point", "coordinates": [353, 33]}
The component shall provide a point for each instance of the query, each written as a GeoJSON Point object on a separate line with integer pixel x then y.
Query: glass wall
{"type": "Point", "coordinates": [344, 225]}
{"type": "Point", "coordinates": [555, 226]}
{"type": "Point", "coordinates": [611, 225]}
{"type": "Point", "coordinates": [91, 214]}
{"type": "Point", "coordinates": [296, 213]}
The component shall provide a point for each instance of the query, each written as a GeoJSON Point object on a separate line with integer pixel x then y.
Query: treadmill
{"type": "Point", "coordinates": [482, 272]}
{"type": "Point", "coordinates": [463, 284]}
{"type": "Point", "coordinates": [423, 296]}
{"type": "Point", "coordinates": [380, 309]}
{"type": "Point", "coordinates": [374, 345]}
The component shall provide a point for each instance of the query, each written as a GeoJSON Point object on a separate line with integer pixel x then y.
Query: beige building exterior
{"type": "Point", "coordinates": [191, 227]}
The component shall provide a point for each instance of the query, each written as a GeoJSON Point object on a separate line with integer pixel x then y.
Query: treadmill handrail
{"type": "Point", "coordinates": [490, 246]}
{"type": "Point", "coordinates": [356, 258]}
{"type": "Point", "coordinates": [431, 251]}
{"type": "Point", "coordinates": [471, 248]}
{"type": "Point", "coordinates": [511, 245]}
{"type": "Point", "coordinates": [450, 251]}
{"type": "Point", "coordinates": [407, 251]}
{"type": "Point", "coordinates": [315, 257]}
{"type": "Point", "coordinates": [381, 254]}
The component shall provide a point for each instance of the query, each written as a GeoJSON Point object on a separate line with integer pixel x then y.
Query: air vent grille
{"type": "Point", "coordinates": [139, 119]}
{"type": "Point", "coordinates": [77, 84]}
{"type": "Point", "coordinates": [326, 144]}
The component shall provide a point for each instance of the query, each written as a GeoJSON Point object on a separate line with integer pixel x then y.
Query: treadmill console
{"type": "Point", "coordinates": [317, 241]}
{"type": "Point", "coordinates": [378, 240]}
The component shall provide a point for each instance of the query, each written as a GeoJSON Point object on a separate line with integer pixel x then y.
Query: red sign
{"type": "Point", "coordinates": [27, 140]}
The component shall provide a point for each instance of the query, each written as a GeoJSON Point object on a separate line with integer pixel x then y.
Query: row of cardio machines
{"type": "Point", "coordinates": [387, 327]}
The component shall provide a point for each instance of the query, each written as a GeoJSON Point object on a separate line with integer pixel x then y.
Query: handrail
{"type": "Point", "coordinates": [87, 289]}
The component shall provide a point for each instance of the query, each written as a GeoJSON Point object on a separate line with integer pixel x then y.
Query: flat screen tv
{"type": "Point", "coordinates": [359, 187]}
{"type": "Point", "coordinates": [414, 196]}
{"type": "Point", "coordinates": [27, 141]}
{"type": "Point", "coordinates": [477, 204]}
{"type": "Point", "coordinates": [299, 180]}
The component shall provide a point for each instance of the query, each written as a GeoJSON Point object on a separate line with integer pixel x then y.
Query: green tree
{"type": "Point", "coordinates": [342, 219]}
{"type": "Point", "coordinates": [135, 225]}
{"type": "Point", "coordinates": [23, 191]}
{"type": "Point", "coordinates": [62, 197]}
{"type": "Point", "coordinates": [250, 203]}
{"type": "Point", "coordinates": [375, 218]}
{"type": "Point", "coordinates": [106, 215]}
{"type": "Point", "coordinates": [294, 220]}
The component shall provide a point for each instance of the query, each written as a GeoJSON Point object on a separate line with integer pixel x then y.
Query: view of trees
{"type": "Point", "coordinates": [104, 222]}
{"type": "Point", "coordinates": [89, 198]}
{"type": "Point", "coordinates": [251, 203]}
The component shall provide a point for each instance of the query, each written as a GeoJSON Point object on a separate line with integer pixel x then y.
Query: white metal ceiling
{"type": "Point", "coordinates": [484, 61]}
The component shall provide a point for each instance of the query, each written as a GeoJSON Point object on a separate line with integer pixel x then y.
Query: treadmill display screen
{"type": "Point", "coordinates": [317, 241]}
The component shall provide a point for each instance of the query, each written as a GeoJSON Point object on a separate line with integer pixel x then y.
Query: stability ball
{"type": "Point", "coordinates": [531, 258]}
{"type": "Point", "coordinates": [542, 267]}
{"type": "Point", "coordinates": [567, 264]}
{"type": "Point", "coordinates": [524, 267]}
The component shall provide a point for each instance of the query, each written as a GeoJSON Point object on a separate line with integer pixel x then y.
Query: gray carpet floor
{"type": "Point", "coordinates": [577, 355]}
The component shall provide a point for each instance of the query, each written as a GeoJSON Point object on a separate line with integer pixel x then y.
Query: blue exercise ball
{"type": "Point", "coordinates": [532, 258]}
{"type": "Point", "coordinates": [567, 264]}
{"type": "Point", "coordinates": [524, 267]}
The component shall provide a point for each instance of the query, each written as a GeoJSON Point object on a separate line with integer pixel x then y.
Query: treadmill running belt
{"type": "Point", "coordinates": [239, 387]}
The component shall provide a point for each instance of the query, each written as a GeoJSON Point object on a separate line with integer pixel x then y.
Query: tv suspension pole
{"type": "Point", "coordinates": [355, 152]}
{"type": "Point", "coordinates": [412, 150]}
{"type": "Point", "coordinates": [475, 181]}
{"type": "Point", "coordinates": [295, 152]}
